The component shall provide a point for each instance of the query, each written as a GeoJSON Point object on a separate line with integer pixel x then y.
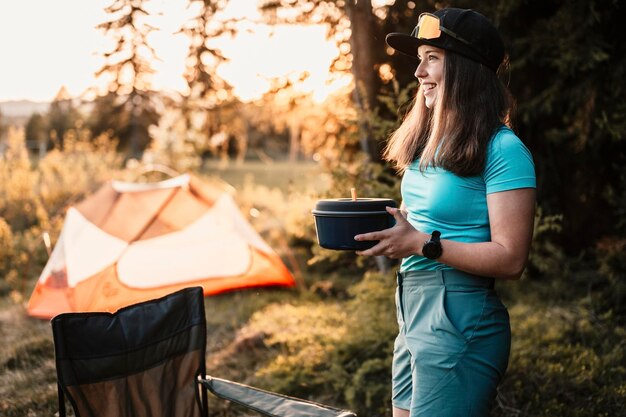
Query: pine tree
{"type": "Point", "coordinates": [208, 93]}
{"type": "Point", "coordinates": [62, 116]}
{"type": "Point", "coordinates": [203, 60]}
{"type": "Point", "coordinates": [128, 65]}
{"type": "Point", "coordinates": [36, 130]}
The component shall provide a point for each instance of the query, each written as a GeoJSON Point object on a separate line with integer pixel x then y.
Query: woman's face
{"type": "Point", "coordinates": [430, 72]}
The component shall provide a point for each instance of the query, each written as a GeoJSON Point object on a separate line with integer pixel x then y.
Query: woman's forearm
{"type": "Point", "coordinates": [485, 258]}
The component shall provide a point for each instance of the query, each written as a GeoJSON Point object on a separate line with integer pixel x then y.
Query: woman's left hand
{"type": "Point", "coordinates": [399, 241]}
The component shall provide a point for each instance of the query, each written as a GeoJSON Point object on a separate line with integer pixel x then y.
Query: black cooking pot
{"type": "Point", "coordinates": [338, 220]}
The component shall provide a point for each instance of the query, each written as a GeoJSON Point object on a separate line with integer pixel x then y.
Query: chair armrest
{"type": "Point", "coordinates": [269, 403]}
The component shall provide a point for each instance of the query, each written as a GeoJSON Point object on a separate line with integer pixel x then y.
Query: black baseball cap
{"type": "Point", "coordinates": [463, 31]}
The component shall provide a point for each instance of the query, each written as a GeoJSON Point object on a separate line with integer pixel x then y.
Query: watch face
{"type": "Point", "coordinates": [432, 250]}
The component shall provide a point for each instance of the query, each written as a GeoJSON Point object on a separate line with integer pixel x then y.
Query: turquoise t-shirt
{"type": "Point", "coordinates": [457, 206]}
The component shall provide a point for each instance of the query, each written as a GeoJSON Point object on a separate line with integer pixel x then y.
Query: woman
{"type": "Point", "coordinates": [466, 219]}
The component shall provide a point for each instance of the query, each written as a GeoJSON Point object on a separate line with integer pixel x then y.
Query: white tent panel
{"type": "Point", "coordinates": [207, 248]}
{"type": "Point", "coordinates": [87, 248]}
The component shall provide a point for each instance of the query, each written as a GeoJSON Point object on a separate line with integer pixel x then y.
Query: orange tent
{"type": "Point", "coordinates": [131, 242]}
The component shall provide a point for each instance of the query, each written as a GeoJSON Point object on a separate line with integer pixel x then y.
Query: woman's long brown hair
{"type": "Point", "coordinates": [471, 105]}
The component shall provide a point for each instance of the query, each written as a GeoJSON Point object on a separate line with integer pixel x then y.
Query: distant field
{"type": "Point", "coordinates": [286, 176]}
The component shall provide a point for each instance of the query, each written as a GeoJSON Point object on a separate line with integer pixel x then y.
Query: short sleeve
{"type": "Point", "coordinates": [509, 164]}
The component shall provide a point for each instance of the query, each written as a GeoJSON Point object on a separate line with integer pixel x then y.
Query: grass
{"type": "Point", "coordinates": [283, 175]}
{"type": "Point", "coordinates": [28, 380]}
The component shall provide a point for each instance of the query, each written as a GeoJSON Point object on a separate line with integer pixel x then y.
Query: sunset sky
{"type": "Point", "coordinates": [49, 44]}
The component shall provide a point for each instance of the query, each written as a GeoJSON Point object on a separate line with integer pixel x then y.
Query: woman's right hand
{"type": "Point", "coordinates": [399, 241]}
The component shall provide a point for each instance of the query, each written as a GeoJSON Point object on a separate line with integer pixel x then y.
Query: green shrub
{"type": "Point", "coordinates": [366, 352]}
{"type": "Point", "coordinates": [19, 205]}
{"type": "Point", "coordinates": [546, 257]}
{"type": "Point", "coordinates": [303, 338]}
{"type": "Point", "coordinates": [609, 290]}
{"type": "Point", "coordinates": [7, 248]}
{"type": "Point", "coordinates": [34, 197]}
{"type": "Point", "coordinates": [334, 352]}
{"type": "Point", "coordinates": [564, 362]}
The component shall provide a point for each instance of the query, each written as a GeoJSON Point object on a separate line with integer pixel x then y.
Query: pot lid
{"type": "Point", "coordinates": [360, 204]}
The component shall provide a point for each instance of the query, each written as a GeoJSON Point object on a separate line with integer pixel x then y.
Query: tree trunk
{"type": "Point", "coordinates": [363, 29]}
{"type": "Point", "coordinates": [294, 139]}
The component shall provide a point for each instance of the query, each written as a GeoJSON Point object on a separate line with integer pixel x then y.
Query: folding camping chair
{"type": "Point", "coordinates": [148, 360]}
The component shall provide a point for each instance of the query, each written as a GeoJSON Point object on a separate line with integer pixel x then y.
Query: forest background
{"type": "Point", "coordinates": [331, 339]}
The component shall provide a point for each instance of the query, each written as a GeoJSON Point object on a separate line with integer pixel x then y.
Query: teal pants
{"type": "Point", "coordinates": [453, 344]}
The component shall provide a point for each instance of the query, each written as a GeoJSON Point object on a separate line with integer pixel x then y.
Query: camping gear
{"type": "Point", "coordinates": [131, 242]}
{"type": "Point", "coordinates": [338, 220]}
{"type": "Point", "coordinates": [148, 359]}
{"type": "Point", "coordinates": [141, 361]}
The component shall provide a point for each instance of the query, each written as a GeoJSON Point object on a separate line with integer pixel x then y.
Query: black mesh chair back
{"type": "Point", "coordinates": [148, 360]}
{"type": "Point", "coordinates": [143, 360]}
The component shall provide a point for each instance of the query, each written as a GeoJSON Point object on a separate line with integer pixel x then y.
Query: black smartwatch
{"type": "Point", "coordinates": [432, 248]}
